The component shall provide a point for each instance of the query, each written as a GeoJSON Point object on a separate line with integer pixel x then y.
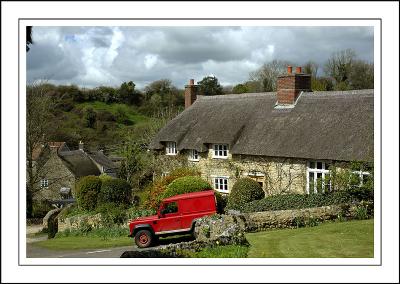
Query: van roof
{"type": "Point", "coordinates": [190, 195]}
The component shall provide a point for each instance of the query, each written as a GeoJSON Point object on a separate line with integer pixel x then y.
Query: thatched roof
{"type": "Point", "coordinates": [79, 163]}
{"type": "Point", "coordinates": [337, 125]}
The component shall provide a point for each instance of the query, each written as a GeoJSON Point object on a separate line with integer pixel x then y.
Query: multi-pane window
{"type": "Point", "coordinates": [360, 178]}
{"type": "Point", "coordinates": [318, 177]}
{"type": "Point", "coordinates": [170, 148]}
{"type": "Point", "coordinates": [193, 155]}
{"type": "Point", "coordinates": [221, 184]}
{"type": "Point", "coordinates": [220, 151]}
{"type": "Point", "coordinates": [44, 183]}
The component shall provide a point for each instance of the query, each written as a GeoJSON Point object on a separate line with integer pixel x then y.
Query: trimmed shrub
{"type": "Point", "coordinates": [156, 189]}
{"type": "Point", "coordinates": [186, 185]}
{"type": "Point", "coordinates": [244, 191]}
{"type": "Point", "coordinates": [116, 191]}
{"type": "Point", "coordinates": [297, 201]}
{"type": "Point", "coordinates": [87, 191]}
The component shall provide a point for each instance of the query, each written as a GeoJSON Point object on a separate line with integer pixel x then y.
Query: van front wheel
{"type": "Point", "coordinates": [143, 238]}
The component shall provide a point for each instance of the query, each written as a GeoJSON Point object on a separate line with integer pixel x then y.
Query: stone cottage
{"type": "Point", "coordinates": [63, 167]}
{"type": "Point", "coordinates": [285, 140]}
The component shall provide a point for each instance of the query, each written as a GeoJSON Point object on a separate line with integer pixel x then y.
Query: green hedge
{"type": "Point", "coordinates": [185, 185]}
{"type": "Point", "coordinates": [116, 191]}
{"type": "Point", "coordinates": [87, 191]}
{"type": "Point", "coordinates": [296, 201]}
{"type": "Point", "coordinates": [244, 191]}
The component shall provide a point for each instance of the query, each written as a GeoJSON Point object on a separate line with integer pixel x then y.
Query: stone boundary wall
{"type": "Point", "coordinates": [75, 222]}
{"type": "Point", "coordinates": [259, 221]}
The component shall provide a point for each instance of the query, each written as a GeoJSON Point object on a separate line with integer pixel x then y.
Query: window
{"type": "Point", "coordinates": [220, 151]}
{"type": "Point", "coordinates": [360, 178]}
{"type": "Point", "coordinates": [193, 155]}
{"type": "Point", "coordinates": [318, 177]}
{"type": "Point", "coordinates": [44, 183]}
{"type": "Point", "coordinates": [221, 184]}
{"type": "Point", "coordinates": [170, 208]}
{"type": "Point", "coordinates": [170, 148]}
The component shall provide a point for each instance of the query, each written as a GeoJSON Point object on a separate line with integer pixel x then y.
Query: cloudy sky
{"type": "Point", "coordinates": [94, 56]}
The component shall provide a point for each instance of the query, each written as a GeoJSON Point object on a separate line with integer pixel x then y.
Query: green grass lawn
{"type": "Point", "coordinates": [84, 242]}
{"type": "Point", "coordinates": [329, 240]}
{"type": "Point", "coordinates": [230, 251]}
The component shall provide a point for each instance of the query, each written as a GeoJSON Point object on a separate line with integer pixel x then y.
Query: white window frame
{"type": "Point", "coordinates": [170, 148]}
{"type": "Point", "coordinates": [221, 183]}
{"type": "Point", "coordinates": [194, 155]}
{"type": "Point", "coordinates": [316, 171]}
{"type": "Point", "coordinates": [44, 183]}
{"type": "Point", "coordinates": [361, 175]}
{"type": "Point", "coordinates": [217, 149]}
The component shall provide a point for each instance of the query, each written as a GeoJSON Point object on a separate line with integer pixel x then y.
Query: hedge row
{"type": "Point", "coordinates": [296, 201]}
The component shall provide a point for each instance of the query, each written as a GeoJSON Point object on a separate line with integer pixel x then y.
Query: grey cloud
{"type": "Point", "coordinates": [97, 56]}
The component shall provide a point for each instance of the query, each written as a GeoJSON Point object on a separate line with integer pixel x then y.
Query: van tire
{"type": "Point", "coordinates": [143, 238]}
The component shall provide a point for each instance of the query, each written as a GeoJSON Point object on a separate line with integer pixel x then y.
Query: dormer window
{"type": "Point", "coordinates": [220, 151]}
{"type": "Point", "coordinates": [194, 155]}
{"type": "Point", "coordinates": [170, 148]}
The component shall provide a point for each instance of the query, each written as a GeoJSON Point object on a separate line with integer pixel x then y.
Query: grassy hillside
{"type": "Point", "coordinates": [108, 126]}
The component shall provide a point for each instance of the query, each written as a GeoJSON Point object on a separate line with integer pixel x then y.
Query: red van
{"type": "Point", "coordinates": [176, 215]}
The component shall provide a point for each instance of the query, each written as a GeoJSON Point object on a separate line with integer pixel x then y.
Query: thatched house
{"type": "Point", "coordinates": [60, 168]}
{"type": "Point", "coordinates": [286, 140]}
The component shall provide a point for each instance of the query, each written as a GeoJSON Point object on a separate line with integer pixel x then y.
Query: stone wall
{"type": "Point", "coordinates": [75, 222]}
{"type": "Point", "coordinates": [278, 175]}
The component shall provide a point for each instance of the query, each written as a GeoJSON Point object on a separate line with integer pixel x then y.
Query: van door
{"type": "Point", "coordinates": [170, 219]}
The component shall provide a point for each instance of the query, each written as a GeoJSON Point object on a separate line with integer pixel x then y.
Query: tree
{"type": "Point", "coordinates": [38, 104]}
{"type": "Point", "coordinates": [311, 68]}
{"type": "Point", "coordinates": [339, 66]}
{"type": "Point", "coordinates": [29, 40]}
{"type": "Point", "coordinates": [90, 117]}
{"type": "Point", "coordinates": [267, 75]}
{"type": "Point", "coordinates": [240, 89]}
{"type": "Point", "coordinates": [361, 75]}
{"type": "Point", "coordinates": [209, 86]}
{"type": "Point", "coordinates": [128, 94]}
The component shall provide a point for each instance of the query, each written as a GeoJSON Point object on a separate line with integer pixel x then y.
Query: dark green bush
{"type": "Point", "coordinates": [185, 185]}
{"type": "Point", "coordinates": [222, 200]}
{"type": "Point", "coordinates": [244, 191]}
{"type": "Point", "coordinates": [116, 191]}
{"type": "Point", "coordinates": [87, 191]}
{"type": "Point", "coordinates": [297, 201]}
{"type": "Point", "coordinates": [112, 214]}
{"type": "Point", "coordinates": [40, 208]}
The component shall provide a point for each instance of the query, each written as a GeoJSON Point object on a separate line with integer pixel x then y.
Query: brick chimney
{"type": "Point", "coordinates": [291, 85]}
{"type": "Point", "coordinates": [191, 91]}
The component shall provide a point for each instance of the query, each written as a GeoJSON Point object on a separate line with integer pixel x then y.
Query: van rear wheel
{"type": "Point", "coordinates": [143, 238]}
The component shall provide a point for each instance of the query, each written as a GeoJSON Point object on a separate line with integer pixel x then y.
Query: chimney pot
{"type": "Point", "coordinates": [191, 82]}
{"type": "Point", "coordinates": [289, 69]}
{"type": "Point", "coordinates": [289, 86]}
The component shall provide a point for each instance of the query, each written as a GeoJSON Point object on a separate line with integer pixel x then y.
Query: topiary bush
{"type": "Point", "coordinates": [297, 201]}
{"type": "Point", "coordinates": [186, 185]}
{"type": "Point", "coordinates": [156, 189]}
{"type": "Point", "coordinates": [244, 191]}
{"type": "Point", "coordinates": [117, 191]}
{"type": "Point", "coordinates": [87, 191]}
